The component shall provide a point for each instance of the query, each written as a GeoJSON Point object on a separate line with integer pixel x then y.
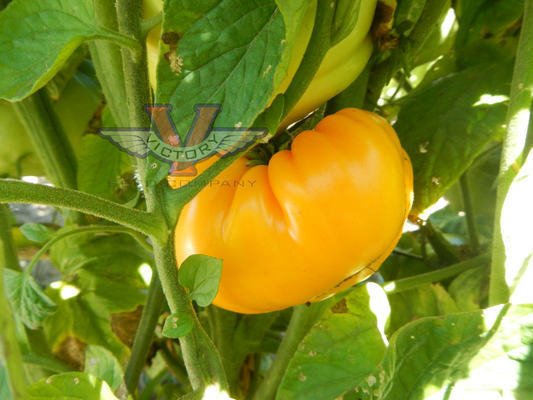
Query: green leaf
{"type": "Point", "coordinates": [505, 363]}
{"type": "Point", "coordinates": [29, 302]}
{"type": "Point", "coordinates": [444, 126]}
{"type": "Point", "coordinates": [36, 38]}
{"type": "Point", "coordinates": [71, 386]}
{"type": "Point", "coordinates": [227, 57]}
{"type": "Point", "coordinates": [101, 363]}
{"type": "Point", "coordinates": [423, 355]}
{"type": "Point", "coordinates": [177, 325]}
{"type": "Point", "coordinates": [340, 350]}
{"type": "Point", "coordinates": [99, 292]}
{"type": "Point", "coordinates": [293, 12]}
{"type": "Point", "coordinates": [516, 225]}
{"type": "Point", "coordinates": [93, 315]}
{"type": "Point", "coordinates": [37, 232]}
{"type": "Point", "coordinates": [114, 257]}
{"type": "Point", "coordinates": [201, 275]}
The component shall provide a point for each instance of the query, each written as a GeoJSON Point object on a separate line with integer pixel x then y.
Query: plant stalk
{"type": "Point", "coordinates": [145, 333]}
{"type": "Point", "coordinates": [401, 285]}
{"type": "Point", "coordinates": [199, 353]}
{"type": "Point", "coordinates": [302, 320]}
{"type": "Point", "coordinates": [514, 149]}
{"type": "Point", "coordinates": [13, 191]}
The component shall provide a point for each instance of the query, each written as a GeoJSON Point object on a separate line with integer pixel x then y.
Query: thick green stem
{"type": "Point", "coordinates": [12, 191]}
{"type": "Point", "coordinates": [107, 59]}
{"type": "Point", "coordinates": [49, 140]}
{"type": "Point", "coordinates": [10, 250]}
{"type": "Point", "coordinates": [401, 285]}
{"type": "Point", "coordinates": [138, 95]}
{"type": "Point", "coordinates": [199, 353]}
{"type": "Point", "coordinates": [145, 333]}
{"type": "Point", "coordinates": [319, 44]}
{"type": "Point", "coordinates": [302, 320]}
{"type": "Point", "coordinates": [469, 212]}
{"type": "Point", "coordinates": [10, 355]}
{"type": "Point", "coordinates": [514, 148]}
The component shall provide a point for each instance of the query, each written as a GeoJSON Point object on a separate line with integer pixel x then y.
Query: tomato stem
{"type": "Point", "coordinates": [145, 333]}
{"type": "Point", "coordinates": [12, 191]}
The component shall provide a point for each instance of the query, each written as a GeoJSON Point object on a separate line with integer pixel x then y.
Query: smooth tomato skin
{"type": "Point", "coordinates": [308, 224]}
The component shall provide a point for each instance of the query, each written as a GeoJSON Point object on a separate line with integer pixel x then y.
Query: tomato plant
{"type": "Point", "coordinates": [224, 192]}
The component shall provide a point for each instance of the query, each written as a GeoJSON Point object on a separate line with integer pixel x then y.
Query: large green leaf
{"type": "Point", "coordinates": [115, 257]}
{"type": "Point", "coordinates": [84, 315]}
{"type": "Point", "coordinates": [444, 126]}
{"type": "Point", "coordinates": [506, 362]}
{"type": "Point", "coordinates": [425, 354]}
{"type": "Point", "coordinates": [101, 279]}
{"type": "Point", "coordinates": [71, 386]}
{"type": "Point", "coordinates": [227, 57]}
{"type": "Point", "coordinates": [37, 37]}
{"type": "Point", "coordinates": [225, 53]}
{"type": "Point", "coordinates": [29, 302]}
{"type": "Point", "coordinates": [340, 350]}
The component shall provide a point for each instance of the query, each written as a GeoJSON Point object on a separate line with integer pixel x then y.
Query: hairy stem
{"type": "Point", "coordinates": [12, 191]}
{"type": "Point", "coordinates": [412, 282]}
{"type": "Point", "coordinates": [199, 353]}
{"type": "Point", "coordinates": [514, 148]}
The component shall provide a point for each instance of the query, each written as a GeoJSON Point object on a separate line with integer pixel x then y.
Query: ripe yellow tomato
{"type": "Point", "coordinates": [317, 219]}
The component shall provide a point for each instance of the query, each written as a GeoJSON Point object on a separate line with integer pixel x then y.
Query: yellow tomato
{"type": "Point", "coordinates": [317, 219]}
